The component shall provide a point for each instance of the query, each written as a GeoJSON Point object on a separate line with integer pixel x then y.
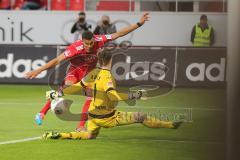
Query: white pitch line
{"type": "Point", "coordinates": [20, 140]}
{"type": "Point", "coordinates": [113, 139]}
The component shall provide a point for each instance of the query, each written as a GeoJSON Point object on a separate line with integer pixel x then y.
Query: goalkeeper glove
{"type": "Point", "coordinates": [52, 94]}
{"type": "Point", "coordinates": [135, 95]}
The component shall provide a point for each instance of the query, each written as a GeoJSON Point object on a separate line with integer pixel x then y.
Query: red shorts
{"type": "Point", "coordinates": [75, 74]}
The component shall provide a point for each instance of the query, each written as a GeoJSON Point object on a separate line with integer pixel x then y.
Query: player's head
{"type": "Point", "coordinates": [203, 20]}
{"type": "Point", "coordinates": [105, 20]}
{"type": "Point", "coordinates": [105, 57]}
{"type": "Point", "coordinates": [88, 40]}
{"type": "Point", "coordinates": [81, 17]}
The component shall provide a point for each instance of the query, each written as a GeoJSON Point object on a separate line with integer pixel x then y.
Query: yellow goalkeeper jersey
{"type": "Point", "coordinates": [101, 87]}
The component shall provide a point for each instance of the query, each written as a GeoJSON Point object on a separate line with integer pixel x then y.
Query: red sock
{"type": "Point", "coordinates": [84, 113]}
{"type": "Point", "coordinates": [46, 107]}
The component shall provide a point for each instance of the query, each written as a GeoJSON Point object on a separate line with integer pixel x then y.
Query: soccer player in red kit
{"type": "Point", "coordinates": [82, 55]}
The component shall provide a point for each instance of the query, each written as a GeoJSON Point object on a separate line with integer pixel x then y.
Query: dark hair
{"type": "Point", "coordinates": [81, 14]}
{"type": "Point", "coordinates": [203, 17]}
{"type": "Point", "coordinates": [104, 56]}
{"type": "Point", "coordinates": [87, 35]}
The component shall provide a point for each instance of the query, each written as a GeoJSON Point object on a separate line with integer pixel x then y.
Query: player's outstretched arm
{"type": "Point", "coordinates": [145, 17]}
{"type": "Point", "coordinates": [50, 64]}
{"type": "Point", "coordinates": [113, 95]}
{"type": "Point", "coordinates": [75, 89]}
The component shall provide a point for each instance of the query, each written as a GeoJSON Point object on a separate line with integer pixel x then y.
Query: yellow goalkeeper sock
{"type": "Point", "coordinates": [75, 135]}
{"type": "Point", "coordinates": [156, 123]}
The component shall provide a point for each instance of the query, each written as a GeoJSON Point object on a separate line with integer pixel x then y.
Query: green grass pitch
{"type": "Point", "coordinates": [201, 139]}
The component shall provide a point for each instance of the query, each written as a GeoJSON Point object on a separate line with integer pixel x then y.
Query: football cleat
{"type": "Point", "coordinates": [51, 135]}
{"type": "Point", "coordinates": [39, 118]}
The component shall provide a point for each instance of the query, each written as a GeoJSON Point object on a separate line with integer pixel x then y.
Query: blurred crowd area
{"type": "Point", "coordinates": [117, 5]}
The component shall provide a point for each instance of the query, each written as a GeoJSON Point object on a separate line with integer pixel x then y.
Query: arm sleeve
{"type": "Point", "coordinates": [71, 51]}
{"type": "Point", "coordinates": [103, 39]}
{"type": "Point", "coordinates": [75, 89]}
{"type": "Point", "coordinates": [112, 94]}
{"type": "Point", "coordinates": [106, 38]}
{"type": "Point", "coordinates": [193, 34]}
{"type": "Point", "coordinates": [84, 87]}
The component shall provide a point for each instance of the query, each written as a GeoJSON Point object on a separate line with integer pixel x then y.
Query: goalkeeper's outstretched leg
{"type": "Point", "coordinates": [120, 118]}
{"type": "Point", "coordinates": [126, 118]}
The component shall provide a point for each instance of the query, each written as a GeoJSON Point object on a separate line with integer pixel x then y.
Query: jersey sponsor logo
{"type": "Point", "coordinates": [199, 71]}
{"type": "Point", "coordinates": [84, 59]}
{"type": "Point", "coordinates": [101, 107]}
{"type": "Point", "coordinates": [78, 48]}
{"type": "Point", "coordinates": [90, 59]}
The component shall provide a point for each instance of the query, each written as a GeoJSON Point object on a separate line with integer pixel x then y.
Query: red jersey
{"type": "Point", "coordinates": [78, 56]}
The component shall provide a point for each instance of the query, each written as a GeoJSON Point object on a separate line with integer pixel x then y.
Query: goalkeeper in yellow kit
{"type": "Point", "coordinates": [102, 111]}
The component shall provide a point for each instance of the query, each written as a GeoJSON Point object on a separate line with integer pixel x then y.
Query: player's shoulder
{"type": "Point", "coordinates": [98, 38]}
{"type": "Point", "coordinates": [105, 37]}
{"type": "Point", "coordinates": [78, 45]}
{"type": "Point", "coordinates": [106, 74]}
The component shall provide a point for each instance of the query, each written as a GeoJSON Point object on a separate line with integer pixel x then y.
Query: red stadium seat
{"type": "Point", "coordinates": [115, 6]}
{"type": "Point", "coordinates": [77, 5]}
{"type": "Point", "coordinates": [211, 6]}
{"type": "Point", "coordinates": [5, 4]}
{"type": "Point", "coordinates": [44, 3]}
{"type": "Point", "coordinates": [18, 4]}
{"type": "Point", "coordinates": [58, 4]}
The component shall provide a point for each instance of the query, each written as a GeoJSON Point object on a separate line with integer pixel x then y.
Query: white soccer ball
{"type": "Point", "coordinates": [60, 105]}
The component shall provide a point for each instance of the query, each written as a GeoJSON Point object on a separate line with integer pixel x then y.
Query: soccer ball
{"type": "Point", "coordinates": [60, 105]}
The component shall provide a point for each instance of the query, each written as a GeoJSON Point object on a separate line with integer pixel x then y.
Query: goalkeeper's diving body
{"type": "Point", "coordinates": [102, 111]}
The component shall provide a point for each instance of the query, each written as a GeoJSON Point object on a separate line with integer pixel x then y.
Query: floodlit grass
{"type": "Point", "coordinates": [202, 139]}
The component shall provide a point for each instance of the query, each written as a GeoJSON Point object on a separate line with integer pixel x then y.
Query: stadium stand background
{"type": "Point", "coordinates": [127, 5]}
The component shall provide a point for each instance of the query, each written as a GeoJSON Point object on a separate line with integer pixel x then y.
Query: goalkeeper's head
{"type": "Point", "coordinates": [105, 57]}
